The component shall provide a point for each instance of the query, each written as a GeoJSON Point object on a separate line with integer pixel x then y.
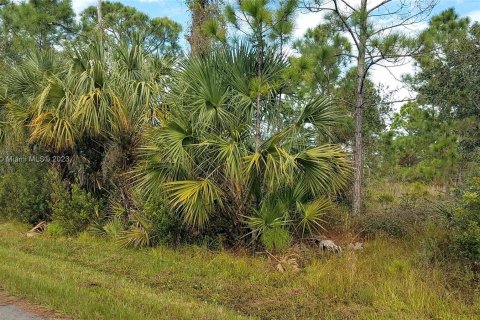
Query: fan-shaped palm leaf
{"type": "Point", "coordinates": [311, 215]}
{"type": "Point", "coordinates": [324, 169]}
{"type": "Point", "coordinates": [195, 199]}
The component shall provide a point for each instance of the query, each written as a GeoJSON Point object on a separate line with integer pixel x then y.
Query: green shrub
{"type": "Point", "coordinates": [147, 223]}
{"type": "Point", "coordinates": [385, 197]}
{"type": "Point", "coordinates": [166, 229]}
{"type": "Point", "coordinates": [385, 224]}
{"type": "Point", "coordinates": [454, 237]}
{"type": "Point", "coordinates": [25, 192]}
{"type": "Point", "coordinates": [74, 210]}
{"type": "Point", "coordinates": [276, 239]}
{"type": "Point", "coordinates": [436, 238]}
{"type": "Point", "coordinates": [113, 228]}
{"type": "Point", "coordinates": [55, 229]}
{"type": "Point", "coordinates": [466, 223]}
{"type": "Point", "coordinates": [150, 223]}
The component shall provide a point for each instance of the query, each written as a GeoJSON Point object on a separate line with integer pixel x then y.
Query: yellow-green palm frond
{"type": "Point", "coordinates": [323, 170]}
{"type": "Point", "coordinates": [53, 130]}
{"type": "Point", "coordinates": [52, 96]}
{"type": "Point", "coordinates": [280, 167]}
{"type": "Point", "coordinates": [320, 113]}
{"type": "Point", "coordinates": [138, 235]}
{"type": "Point", "coordinates": [174, 140]}
{"type": "Point", "coordinates": [273, 213]}
{"type": "Point", "coordinates": [13, 118]}
{"type": "Point", "coordinates": [311, 213]}
{"type": "Point", "coordinates": [228, 154]}
{"type": "Point", "coordinates": [206, 92]}
{"type": "Point", "coordinates": [195, 199]}
{"type": "Point", "coordinates": [100, 112]}
{"type": "Point", "coordinates": [254, 164]}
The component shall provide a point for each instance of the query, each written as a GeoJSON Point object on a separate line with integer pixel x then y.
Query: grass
{"type": "Point", "coordinates": [89, 278]}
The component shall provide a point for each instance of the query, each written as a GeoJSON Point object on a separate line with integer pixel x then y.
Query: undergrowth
{"type": "Point", "coordinates": [89, 277]}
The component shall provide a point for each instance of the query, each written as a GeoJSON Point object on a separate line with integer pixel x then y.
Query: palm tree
{"type": "Point", "coordinates": [35, 82]}
{"type": "Point", "coordinates": [203, 159]}
{"type": "Point", "coordinates": [93, 106]}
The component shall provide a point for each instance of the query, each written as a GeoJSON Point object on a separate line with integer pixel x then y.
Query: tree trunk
{"type": "Point", "coordinates": [100, 15]}
{"type": "Point", "coordinates": [358, 150]}
{"type": "Point", "coordinates": [201, 12]}
{"type": "Point", "coordinates": [258, 111]}
{"type": "Point", "coordinates": [359, 104]}
{"type": "Point", "coordinates": [257, 125]}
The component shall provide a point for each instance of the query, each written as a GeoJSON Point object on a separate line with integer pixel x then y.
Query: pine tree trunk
{"type": "Point", "coordinates": [358, 149]}
{"type": "Point", "coordinates": [359, 104]}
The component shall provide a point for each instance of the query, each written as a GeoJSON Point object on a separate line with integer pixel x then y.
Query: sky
{"type": "Point", "coordinates": [177, 10]}
{"type": "Point", "coordinates": [388, 78]}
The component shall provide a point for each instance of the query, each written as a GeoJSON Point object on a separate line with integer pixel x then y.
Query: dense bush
{"type": "Point", "coordinates": [399, 209]}
{"type": "Point", "coordinates": [165, 227]}
{"type": "Point", "coordinates": [218, 178]}
{"type": "Point", "coordinates": [453, 238]}
{"type": "Point", "coordinates": [73, 210]}
{"type": "Point", "coordinates": [25, 192]}
{"type": "Point", "coordinates": [386, 224]}
{"type": "Point", "coordinates": [466, 223]}
{"type": "Point", "coordinates": [144, 223]}
{"type": "Point", "coordinates": [276, 239]}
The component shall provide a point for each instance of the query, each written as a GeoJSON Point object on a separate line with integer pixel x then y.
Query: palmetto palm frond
{"type": "Point", "coordinates": [310, 215]}
{"type": "Point", "coordinates": [99, 112]}
{"type": "Point", "coordinates": [99, 108]}
{"type": "Point", "coordinates": [227, 153]}
{"type": "Point", "coordinates": [275, 166]}
{"type": "Point", "coordinates": [174, 139]}
{"type": "Point", "coordinates": [166, 155]}
{"type": "Point", "coordinates": [320, 113]}
{"type": "Point", "coordinates": [53, 130]}
{"type": "Point", "coordinates": [239, 66]}
{"type": "Point", "coordinates": [12, 123]}
{"type": "Point", "coordinates": [39, 98]}
{"type": "Point", "coordinates": [195, 199]}
{"type": "Point", "coordinates": [51, 122]}
{"type": "Point", "coordinates": [206, 93]}
{"type": "Point", "coordinates": [26, 80]}
{"type": "Point", "coordinates": [323, 169]}
{"type": "Point", "coordinates": [138, 235]}
{"type": "Point", "coordinates": [273, 213]}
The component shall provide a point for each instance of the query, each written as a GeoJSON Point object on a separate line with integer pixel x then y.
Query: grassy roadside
{"type": "Point", "coordinates": [89, 278]}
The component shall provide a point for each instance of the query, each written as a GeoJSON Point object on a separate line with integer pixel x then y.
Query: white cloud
{"type": "Point", "coordinates": [389, 78]}
{"type": "Point", "coordinates": [305, 21]}
{"type": "Point", "coordinates": [474, 15]}
{"type": "Point", "coordinates": [80, 5]}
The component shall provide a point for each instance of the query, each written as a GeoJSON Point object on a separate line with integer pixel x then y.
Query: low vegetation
{"type": "Point", "coordinates": [88, 277]}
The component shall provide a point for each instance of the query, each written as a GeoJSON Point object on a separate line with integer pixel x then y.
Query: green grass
{"type": "Point", "coordinates": [90, 278]}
